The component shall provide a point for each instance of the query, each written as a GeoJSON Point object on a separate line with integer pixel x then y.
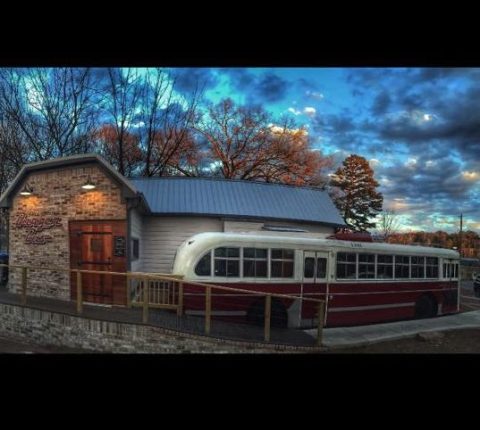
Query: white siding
{"type": "Point", "coordinates": [241, 226]}
{"type": "Point", "coordinates": [136, 231]}
{"type": "Point", "coordinates": [163, 235]}
{"type": "Point", "coordinates": [248, 226]}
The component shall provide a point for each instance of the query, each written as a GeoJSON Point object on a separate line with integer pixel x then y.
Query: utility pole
{"type": "Point", "coordinates": [460, 236]}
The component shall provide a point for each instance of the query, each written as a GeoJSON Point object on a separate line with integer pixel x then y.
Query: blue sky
{"type": "Point", "coordinates": [418, 127]}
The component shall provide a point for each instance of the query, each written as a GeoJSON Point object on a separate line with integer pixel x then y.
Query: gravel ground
{"type": "Point", "coordinates": [450, 342]}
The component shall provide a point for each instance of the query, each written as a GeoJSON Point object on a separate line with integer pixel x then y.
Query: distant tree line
{"type": "Point", "coordinates": [144, 126]}
{"type": "Point", "coordinates": [470, 240]}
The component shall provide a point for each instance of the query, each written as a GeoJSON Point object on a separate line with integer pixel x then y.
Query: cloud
{"type": "Point", "coordinates": [192, 78]}
{"type": "Point", "coordinates": [309, 111]}
{"type": "Point", "coordinates": [271, 87]}
{"type": "Point", "coordinates": [334, 123]}
{"type": "Point", "coordinates": [381, 103]}
{"type": "Point", "coordinates": [314, 95]}
{"type": "Point", "coordinates": [241, 79]}
{"type": "Point", "coordinates": [267, 87]}
{"type": "Point", "coordinates": [471, 176]}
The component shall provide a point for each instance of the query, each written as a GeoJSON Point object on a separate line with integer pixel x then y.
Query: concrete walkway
{"type": "Point", "coordinates": [339, 337]}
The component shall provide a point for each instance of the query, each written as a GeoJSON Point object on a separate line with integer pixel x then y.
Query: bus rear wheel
{"type": "Point", "coordinates": [426, 307]}
{"type": "Point", "coordinates": [279, 316]}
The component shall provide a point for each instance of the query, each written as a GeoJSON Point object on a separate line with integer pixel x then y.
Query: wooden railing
{"type": "Point", "coordinates": [166, 291]}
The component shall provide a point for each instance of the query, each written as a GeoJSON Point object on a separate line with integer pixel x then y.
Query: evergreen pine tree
{"type": "Point", "coordinates": [355, 196]}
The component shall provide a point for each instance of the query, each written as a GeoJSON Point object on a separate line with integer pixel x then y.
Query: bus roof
{"type": "Point", "coordinates": [209, 240]}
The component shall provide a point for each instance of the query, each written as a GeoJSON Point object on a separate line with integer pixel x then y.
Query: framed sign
{"type": "Point", "coordinates": [119, 246]}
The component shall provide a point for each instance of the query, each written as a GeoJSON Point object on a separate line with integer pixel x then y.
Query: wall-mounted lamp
{"type": "Point", "coordinates": [26, 191]}
{"type": "Point", "coordinates": [89, 185]}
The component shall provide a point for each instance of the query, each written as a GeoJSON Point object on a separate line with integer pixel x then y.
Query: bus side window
{"type": "Point", "coordinates": [309, 267]}
{"type": "Point", "coordinates": [346, 265]}
{"type": "Point", "coordinates": [321, 268]}
{"type": "Point", "coordinates": [227, 262]}
{"type": "Point", "coordinates": [203, 267]}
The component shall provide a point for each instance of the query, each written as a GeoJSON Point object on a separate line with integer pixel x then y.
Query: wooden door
{"type": "Point", "coordinates": [99, 246]}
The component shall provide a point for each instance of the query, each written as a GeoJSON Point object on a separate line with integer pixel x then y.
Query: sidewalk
{"type": "Point", "coordinates": [339, 337]}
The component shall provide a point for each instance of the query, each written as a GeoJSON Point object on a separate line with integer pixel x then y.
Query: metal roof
{"type": "Point", "coordinates": [235, 198]}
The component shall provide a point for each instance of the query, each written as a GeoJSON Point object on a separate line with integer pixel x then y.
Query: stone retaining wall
{"type": "Point", "coordinates": [51, 328]}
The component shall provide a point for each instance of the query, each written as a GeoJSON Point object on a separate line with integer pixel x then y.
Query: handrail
{"type": "Point", "coordinates": [163, 277]}
{"type": "Point", "coordinates": [145, 277]}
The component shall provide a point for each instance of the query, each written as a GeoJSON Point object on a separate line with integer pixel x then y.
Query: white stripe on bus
{"type": "Point", "coordinates": [364, 308]}
{"type": "Point", "coordinates": [259, 294]}
{"type": "Point", "coordinates": [218, 313]}
{"type": "Point", "coordinates": [378, 292]}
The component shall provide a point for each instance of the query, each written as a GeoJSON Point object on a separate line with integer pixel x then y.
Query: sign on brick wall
{"type": "Point", "coordinates": [34, 224]}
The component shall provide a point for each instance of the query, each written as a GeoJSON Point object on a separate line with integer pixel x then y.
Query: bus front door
{"type": "Point", "coordinates": [314, 282]}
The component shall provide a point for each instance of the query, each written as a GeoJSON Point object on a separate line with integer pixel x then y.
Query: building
{"type": "Point", "coordinates": [469, 268]}
{"type": "Point", "coordinates": [78, 212]}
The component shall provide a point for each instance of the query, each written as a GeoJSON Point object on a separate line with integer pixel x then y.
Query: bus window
{"type": "Point", "coordinates": [432, 267]}
{"type": "Point", "coordinates": [402, 266]}
{"type": "Point", "coordinates": [366, 266]}
{"type": "Point", "coordinates": [227, 262]}
{"type": "Point", "coordinates": [281, 263]}
{"type": "Point", "coordinates": [346, 265]}
{"type": "Point", "coordinates": [418, 267]}
{"type": "Point", "coordinates": [384, 266]}
{"type": "Point", "coordinates": [203, 267]}
{"type": "Point", "coordinates": [309, 267]}
{"type": "Point", "coordinates": [255, 262]}
{"type": "Point", "coordinates": [321, 268]}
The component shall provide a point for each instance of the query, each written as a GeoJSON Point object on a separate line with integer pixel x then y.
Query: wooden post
{"type": "Point", "coordinates": [24, 285]}
{"type": "Point", "coordinates": [208, 309]}
{"type": "Point", "coordinates": [268, 314]}
{"type": "Point", "coordinates": [129, 299]}
{"type": "Point", "coordinates": [321, 316]}
{"type": "Point", "coordinates": [180, 299]}
{"type": "Point", "coordinates": [146, 299]}
{"type": "Point", "coordinates": [79, 293]}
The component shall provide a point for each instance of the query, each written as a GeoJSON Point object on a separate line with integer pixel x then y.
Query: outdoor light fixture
{"type": "Point", "coordinates": [26, 191]}
{"type": "Point", "coordinates": [89, 185]}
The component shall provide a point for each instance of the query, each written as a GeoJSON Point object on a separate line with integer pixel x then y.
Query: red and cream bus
{"type": "Point", "coordinates": [361, 282]}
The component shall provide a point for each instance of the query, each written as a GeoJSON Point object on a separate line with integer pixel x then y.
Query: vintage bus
{"type": "Point", "coordinates": [361, 282]}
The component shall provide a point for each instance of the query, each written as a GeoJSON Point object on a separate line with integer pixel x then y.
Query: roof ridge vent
{"type": "Point", "coordinates": [283, 228]}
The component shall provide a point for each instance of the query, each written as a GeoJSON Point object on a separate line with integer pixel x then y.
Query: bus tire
{"type": "Point", "coordinates": [426, 307]}
{"type": "Point", "coordinates": [279, 315]}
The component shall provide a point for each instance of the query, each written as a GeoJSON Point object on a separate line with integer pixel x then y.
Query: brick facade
{"type": "Point", "coordinates": [57, 198]}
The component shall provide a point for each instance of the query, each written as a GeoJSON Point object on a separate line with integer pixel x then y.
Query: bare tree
{"type": "Point", "coordinates": [388, 223]}
{"type": "Point", "coordinates": [245, 144]}
{"type": "Point", "coordinates": [15, 111]}
{"type": "Point", "coordinates": [123, 92]}
{"type": "Point", "coordinates": [53, 108]}
{"type": "Point", "coordinates": [166, 133]}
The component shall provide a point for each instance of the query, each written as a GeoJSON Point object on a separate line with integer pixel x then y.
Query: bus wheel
{"type": "Point", "coordinates": [279, 316]}
{"type": "Point", "coordinates": [426, 307]}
